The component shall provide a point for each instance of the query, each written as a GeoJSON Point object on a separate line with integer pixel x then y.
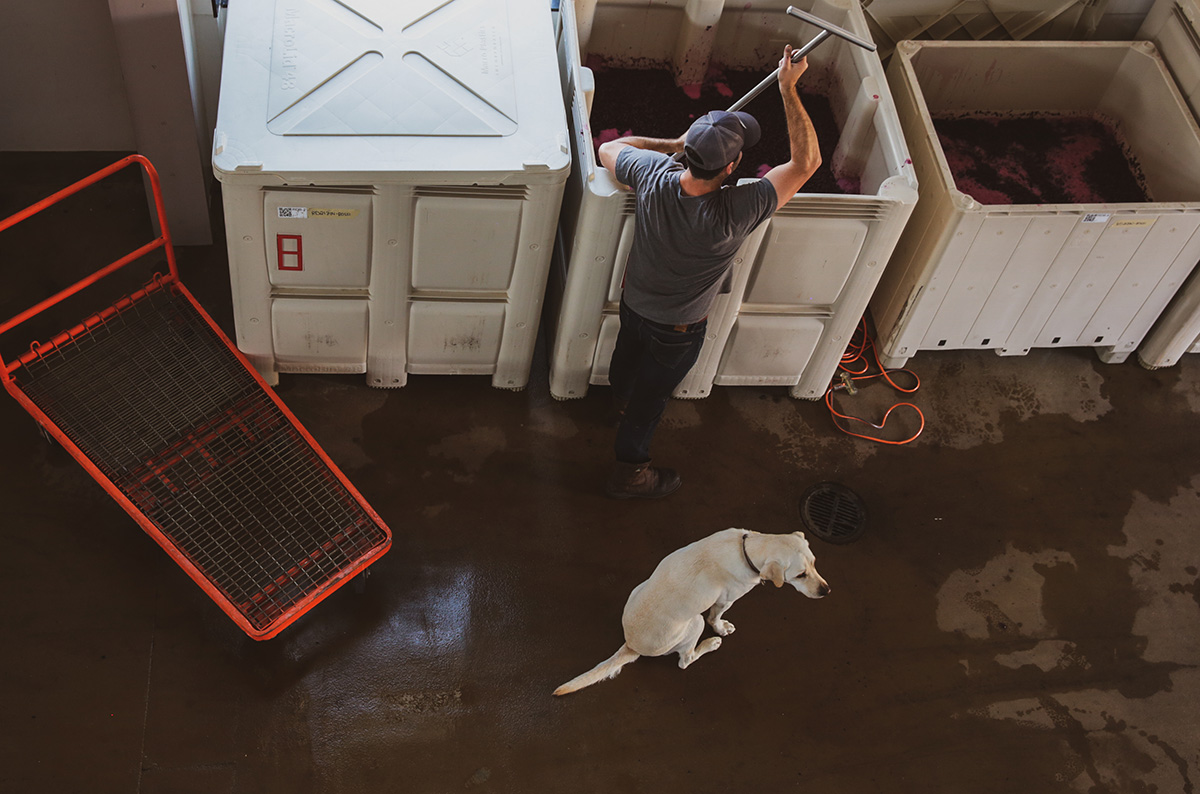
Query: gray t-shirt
{"type": "Point", "coordinates": [683, 245]}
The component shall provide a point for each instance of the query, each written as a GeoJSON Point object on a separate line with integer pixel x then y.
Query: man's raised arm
{"type": "Point", "coordinates": [610, 150]}
{"type": "Point", "coordinates": [788, 178]}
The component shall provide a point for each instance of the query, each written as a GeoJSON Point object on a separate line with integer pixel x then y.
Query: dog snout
{"type": "Point", "coordinates": [823, 590]}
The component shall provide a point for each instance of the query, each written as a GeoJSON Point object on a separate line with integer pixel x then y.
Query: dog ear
{"type": "Point", "coordinates": [773, 572]}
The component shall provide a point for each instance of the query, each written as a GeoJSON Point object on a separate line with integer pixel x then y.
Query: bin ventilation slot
{"type": "Point", "coordinates": [516, 192]}
{"type": "Point", "coordinates": [839, 208]}
{"type": "Point", "coordinates": [833, 513]}
{"type": "Point", "coordinates": [819, 311]}
{"type": "Point", "coordinates": [816, 212]}
{"type": "Point", "coordinates": [173, 419]}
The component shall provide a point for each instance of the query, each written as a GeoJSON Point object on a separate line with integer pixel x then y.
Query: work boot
{"type": "Point", "coordinates": [641, 481]}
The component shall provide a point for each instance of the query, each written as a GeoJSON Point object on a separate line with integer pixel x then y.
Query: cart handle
{"type": "Point", "coordinates": [163, 241]}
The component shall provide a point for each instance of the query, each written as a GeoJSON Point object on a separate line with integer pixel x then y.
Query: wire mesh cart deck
{"type": "Point", "coordinates": [161, 409]}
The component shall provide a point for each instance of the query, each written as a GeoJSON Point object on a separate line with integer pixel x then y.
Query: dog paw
{"type": "Point", "coordinates": [708, 646]}
{"type": "Point", "coordinates": [723, 627]}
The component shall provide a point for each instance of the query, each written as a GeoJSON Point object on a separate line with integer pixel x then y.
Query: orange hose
{"type": "Point", "coordinates": [857, 367]}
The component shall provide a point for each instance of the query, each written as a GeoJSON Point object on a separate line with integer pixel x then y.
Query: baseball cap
{"type": "Point", "coordinates": [715, 139]}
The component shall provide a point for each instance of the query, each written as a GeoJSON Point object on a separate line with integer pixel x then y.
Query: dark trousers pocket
{"type": "Point", "coordinates": [675, 354]}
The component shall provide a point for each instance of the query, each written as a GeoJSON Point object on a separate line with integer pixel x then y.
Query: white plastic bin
{"type": "Point", "coordinates": [1011, 277]}
{"type": "Point", "coordinates": [1174, 27]}
{"type": "Point", "coordinates": [976, 20]}
{"type": "Point", "coordinates": [802, 280]}
{"type": "Point", "coordinates": [392, 175]}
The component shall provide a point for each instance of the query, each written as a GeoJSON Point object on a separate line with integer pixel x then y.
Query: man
{"type": "Point", "coordinates": [688, 228]}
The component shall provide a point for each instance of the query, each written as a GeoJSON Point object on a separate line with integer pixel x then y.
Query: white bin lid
{"type": "Point", "coordinates": [337, 86]}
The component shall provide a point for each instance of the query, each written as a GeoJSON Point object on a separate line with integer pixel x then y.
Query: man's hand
{"type": "Point", "coordinates": [789, 73]}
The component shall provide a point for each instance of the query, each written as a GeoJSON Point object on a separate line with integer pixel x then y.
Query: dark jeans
{"type": "Point", "coordinates": [649, 361]}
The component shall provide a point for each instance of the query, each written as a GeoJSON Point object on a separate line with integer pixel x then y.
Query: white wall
{"type": "Point", "coordinates": [116, 75]}
{"type": "Point", "coordinates": [207, 40]}
{"type": "Point", "coordinates": [62, 89]}
{"type": "Point", "coordinates": [156, 51]}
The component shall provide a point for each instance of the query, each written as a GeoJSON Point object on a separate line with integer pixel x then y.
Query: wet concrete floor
{"type": "Point", "coordinates": [1022, 614]}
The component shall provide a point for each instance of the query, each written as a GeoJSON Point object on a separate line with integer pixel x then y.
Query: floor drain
{"type": "Point", "coordinates": [833, 513]}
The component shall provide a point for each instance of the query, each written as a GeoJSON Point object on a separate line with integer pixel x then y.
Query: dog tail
{"type": "Point", "coordinates": [601, 672]}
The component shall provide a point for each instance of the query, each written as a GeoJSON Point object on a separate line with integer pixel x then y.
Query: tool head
{"type": "Point", "coordinates": [831, 28]}
{"type": "Point", "coordinates": [716, 139]}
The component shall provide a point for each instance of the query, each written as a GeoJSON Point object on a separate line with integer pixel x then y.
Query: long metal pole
{"type": "Point", "coordinates": [773, 76]}
{"type": "Point", "coordinates": [827, 30]}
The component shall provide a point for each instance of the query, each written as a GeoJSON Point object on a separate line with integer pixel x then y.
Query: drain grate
{"type": "Point", "coordinates": [833, 513]}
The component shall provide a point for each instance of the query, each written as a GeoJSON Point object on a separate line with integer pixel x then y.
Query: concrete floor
{"type": "Point", "coordinates": [1022, 614]}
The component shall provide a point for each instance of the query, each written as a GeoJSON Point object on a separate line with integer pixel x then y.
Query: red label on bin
{"type": "Point", "coordinates": [291, 251]}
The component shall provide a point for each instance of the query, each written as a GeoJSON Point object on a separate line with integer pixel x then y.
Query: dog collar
{"type": "Point", "coordinates": [746, 556]}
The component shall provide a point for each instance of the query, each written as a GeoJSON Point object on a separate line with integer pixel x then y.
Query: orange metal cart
{"type": "Point", "coordinates": [156, 403]}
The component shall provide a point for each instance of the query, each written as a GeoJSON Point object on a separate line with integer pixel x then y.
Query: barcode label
{"type": "Point", "coordinates": [293, 212]}
{"type": "Point", "coordinates": [1094, 217]}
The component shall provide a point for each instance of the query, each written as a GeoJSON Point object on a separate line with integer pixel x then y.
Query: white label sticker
{"type": "Point", "coordinates": [293, 212]}
{"type": "Point", "coordinates": [1094, 217]}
